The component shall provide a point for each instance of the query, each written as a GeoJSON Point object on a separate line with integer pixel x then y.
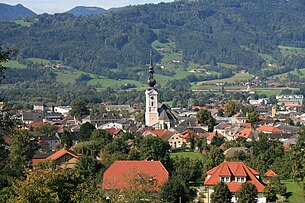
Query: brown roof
{"type": "Point", "coordinates": [123, 175]}
{"type": "Point", "coordinates": [269, 129]}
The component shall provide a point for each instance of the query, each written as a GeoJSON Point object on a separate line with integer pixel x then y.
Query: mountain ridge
{"type": "Point", "coordinates": [90, 10]}
{"type": "Point", "coordinates": [9, 12]}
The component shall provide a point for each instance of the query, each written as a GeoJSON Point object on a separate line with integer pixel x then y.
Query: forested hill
{"type": "Point", "coordinates": [237, 32]}
{"type": "Point", "coordinates": [84, 11]}
{"type": "Point", "coordinates": [8, 12]}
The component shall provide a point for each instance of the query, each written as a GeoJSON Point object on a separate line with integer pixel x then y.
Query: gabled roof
{"type": "Point", "coordinates": [244, 133]}
{"type": "Point", "coordinates": [233, 169]}
{"type": "Point", "coordinates": [269, 129]}
{"type": "Point", "coordinates": [158, 133]}
{"type": "Point", "coordinates": [271, 173]}
{"type": "Point", "coordinates": [61, 153]}
{"type": "Point", "coordinates": [122, 175]}
{"type": "Point", "coordinates": [213, 134]}
{"type": "Point", "coordinates": [36, 124]}
{"type": "Point", "coordinates": [188, 134]}
{"type": "Point", "coordinates": [113, 131]}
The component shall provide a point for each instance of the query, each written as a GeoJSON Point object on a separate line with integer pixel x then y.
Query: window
{"type": "Point", "coordinates": [225, 179]}
{"type": "Point", "coordinates": [240, 179]}
{"type": "Point", "coordinates": [152, 103]}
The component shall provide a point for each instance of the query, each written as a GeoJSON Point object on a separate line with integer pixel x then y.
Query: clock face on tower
{"type": "Point", "coordinates": [151, 98]}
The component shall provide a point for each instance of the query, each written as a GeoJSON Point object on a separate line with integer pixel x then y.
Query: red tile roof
{"type": "Point", "coordinates": [113, 131]}
{"type": "Point", "coordinates": [269, 129]}
{"type": "Point", "coordinates": [244, 133]}
{"type": "Point", "coordinates": [36, 124]}
{"type": "Point", "coordinates": [232, 170]}
{"type": "Point", "coordinates": [122, 175]}
{"type": "Point", "coordinates": [188, 134]}
{"type": "Point", "coordinates": [61, 153]}
{"type": "Point", "coordinates": [271, 173]}
{"type": "Point", "coordinates": [210, 137]}
{"type": "Point", "coordinates": [158, 133]}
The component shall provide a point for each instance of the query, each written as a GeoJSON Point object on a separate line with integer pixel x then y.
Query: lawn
{"type": "Point", "coordinates": [23, 23]}
{"type": "Point", "coordinates": [295, 190]}
{"type": "Point", "coordinates": [290, 51]}
{"type": "Point", "coordinates": [13, 64]}
{"type": "Point", "coordinates": [191, 155]}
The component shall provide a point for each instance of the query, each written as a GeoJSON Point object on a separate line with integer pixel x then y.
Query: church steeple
{"type": "Point", "coordinates": [151, 111]}
{"type": "Point", "coordinates": [151, 81]}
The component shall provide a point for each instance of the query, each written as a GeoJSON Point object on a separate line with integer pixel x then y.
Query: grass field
{"type": "Point", "coordinates": [23, 23]}
{"type": "Point", "coordinates": [294, 72]}
{"type": "Point", "coordinates": [290, 51]}
{"type": "Point", "coordinates": [13, 64]}
{"type": "Point", "coordinates": [295, 190]}
{"type": "Point", "coordinates": [105, 82]}
{"type": "Point", "coordinates": [237, 77]}
{"type": "Point", "coordinates": [191, 155]}
{"type": "Point", "coordinates": [39, 60]}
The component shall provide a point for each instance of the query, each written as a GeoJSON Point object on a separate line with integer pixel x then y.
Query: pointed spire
{"type": "Point", "coordinates": [151, 81]}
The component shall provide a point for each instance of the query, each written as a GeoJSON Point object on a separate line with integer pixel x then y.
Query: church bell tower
{"type": "Point", "coordinates": [151, 110]}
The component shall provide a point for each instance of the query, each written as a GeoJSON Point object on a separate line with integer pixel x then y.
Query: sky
{"type": "Point", "coordinates": [58, 6]}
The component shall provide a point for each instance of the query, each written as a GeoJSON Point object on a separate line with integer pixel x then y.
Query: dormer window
{"type": "Point", "coordinates": [240, 179]}
{"type": "Point", "coordinates": [225, 179]}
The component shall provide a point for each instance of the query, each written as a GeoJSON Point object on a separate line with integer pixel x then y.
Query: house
{"type": "Point", "coordinates": [51, 141]}
{"type": "Point", "coordinates": [234, 174]}
{"type": "Point", "coordinates": [269, 175]}
{"type": "Point", "coordinates": [268, 129]}
{"type": "Point", "coordinates": [64, 158]}
{"type": "Point", "coordinates": [246, 133]}
{"type": "Point", "coordinates": [128, 175]}
{"type": "Point", "coordinates": [239, 118]}
{"type": "Point", "coordinates": [114, 132]}
{"type": "Point", "coordinates": [212, 135]}
{"type": "Point", "coordinates": [123, 124]}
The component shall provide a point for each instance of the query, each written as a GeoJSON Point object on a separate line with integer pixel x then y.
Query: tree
{"type": "Point", "coordinates": [85, 131]}
{"type": "Point", "coordinates": [5, 56]}
{"type": "Point", "coordinates": [217, 140]}
{"type": "Point", "coordinates": [253, 117]}
{"type": "Point", "coordinates": [140, 117]}
{"type": "Point", "coordinates": [65, 138]}
{"type": "Point", "coordinates": [21, 152]}
{"type": "Point", "coordinates": [154, 148]}
{"type": "Point", "coordinates": [221, 194]}
{"type": "Point", "coordinates": [87, 166]}
{"type": "Point", "coordinates": [203, 116]}
{"type": "Point", "coordinates": [79, 108]}
{"type": "Point", "coordinates": [215, 157]}
{"type": "Point", "coordinates": [175, 190]}
{"type": "Point", "coordinates": [247, 193]}
{"type": "Point", "coordinates": [48, 130]}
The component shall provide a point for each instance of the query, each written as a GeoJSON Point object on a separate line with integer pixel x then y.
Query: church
{"type": "Point", "coordinates": [157, 115]}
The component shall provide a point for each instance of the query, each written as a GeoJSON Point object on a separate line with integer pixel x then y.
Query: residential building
{"type": "Point", "coordinates": [234, 174]}
{"type": "Point", "coordinates": [126, 175]}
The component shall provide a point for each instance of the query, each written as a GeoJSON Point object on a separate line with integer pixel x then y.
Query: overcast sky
{"type": "Point", "coordinates": [58, 6]}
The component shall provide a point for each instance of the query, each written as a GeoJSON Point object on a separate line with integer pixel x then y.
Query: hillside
{"type": "Point", "coordinates": [8, 12]}
{"type": "Point", "coordinates": [84, 11]}
{"type": "Point", "coordinates": [240, 33]}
